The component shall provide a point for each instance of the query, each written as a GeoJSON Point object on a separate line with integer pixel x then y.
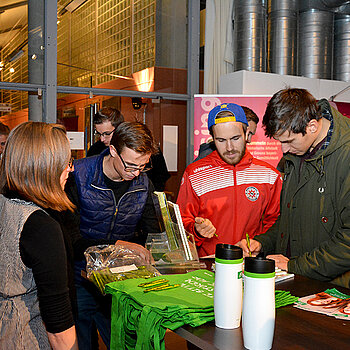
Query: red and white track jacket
{"type": "Point", "coordinates": [236, 198]}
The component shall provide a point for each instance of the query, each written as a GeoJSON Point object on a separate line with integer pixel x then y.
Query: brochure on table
{"type": "Point", "coordinates": [331, 302]}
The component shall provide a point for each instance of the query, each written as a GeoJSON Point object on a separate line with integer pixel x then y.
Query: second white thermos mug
{"type": "Point", "coordinates": [258, 315]}
{"type": "Point", "coordinates": [228, 290]}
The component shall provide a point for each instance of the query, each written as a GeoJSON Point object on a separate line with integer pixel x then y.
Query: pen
{"type": "Point", "coordinates": [248, 243]}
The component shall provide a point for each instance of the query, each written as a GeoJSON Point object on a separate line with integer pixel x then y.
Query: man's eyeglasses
{"type": "Point", "coordinates": [142, 168]}
{"type": "Point", "coordinates": [104, 134]}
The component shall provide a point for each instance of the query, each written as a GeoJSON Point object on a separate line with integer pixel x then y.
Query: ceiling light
{"type": "Point", "coordinates": [12, 70]}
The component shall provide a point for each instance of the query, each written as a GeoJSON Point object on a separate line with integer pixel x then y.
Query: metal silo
{"type": "Point", "coordinates": [315, 43]}
{"type": "Point", "coordinates": [282, 32]}
{"type": "Point", "coordinates": [250, 35]}
{"type": "Point", "coordinates": [341, 67]}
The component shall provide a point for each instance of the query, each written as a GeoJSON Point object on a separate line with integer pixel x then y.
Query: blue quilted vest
{"type": "Point", "coordinates": [100, 216]}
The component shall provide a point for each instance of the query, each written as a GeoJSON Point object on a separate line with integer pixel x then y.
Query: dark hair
{"type": "Point", "coordinates": [225, 114]}
{"type": "Point", "coordinates": [108, 114]}
{"type": "Point", "coordinates": [250, 114]}
{"type": "Point", "coordinates": [290, 109]}
{"type": "Point", "coordinates": [133, 135]}
{"type": "Point", "coordinates": [4, 129]}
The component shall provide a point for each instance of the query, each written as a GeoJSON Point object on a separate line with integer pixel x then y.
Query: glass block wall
{"type": "Point", "coordinates": [83, 45]}
{"type": "Point", "coordinates": [109, 38]}
{"type": "Point", "coordinates": [16, 70]}
{"type": "Point", "coordinates": [64, 50]}
{"type": "Point", "coordinates": [143, 55]}
{"type": "Point", "coordinates": [98, 41]}
{"type": "Point", "coordinates": [114, 39]}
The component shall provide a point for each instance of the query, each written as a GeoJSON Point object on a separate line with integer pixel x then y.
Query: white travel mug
{"type": "Point", "coordinates": [258, 316]}
{"type": "Point", "coordinates": [228, 288]}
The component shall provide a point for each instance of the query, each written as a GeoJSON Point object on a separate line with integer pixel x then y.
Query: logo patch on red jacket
{"type": "Point", "coordinates": [252, 193]}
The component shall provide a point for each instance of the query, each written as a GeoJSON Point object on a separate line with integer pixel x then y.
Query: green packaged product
{"type": "Point", "coordinates": [110, 263]}
{"type": "Point", "coordinates": [104, 276]}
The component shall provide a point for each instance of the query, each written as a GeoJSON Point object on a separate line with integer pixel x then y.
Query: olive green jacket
{"type": "Point", "coordinates": [315, 211]}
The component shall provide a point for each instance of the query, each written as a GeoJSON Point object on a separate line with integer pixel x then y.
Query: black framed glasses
{"type": "Point", "coordinates": [104, 134]}
{"type": "Point", "coordinates": [142, 168]}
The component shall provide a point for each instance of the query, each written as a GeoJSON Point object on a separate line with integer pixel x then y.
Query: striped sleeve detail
{"type": "Point", "coordinates": [256, 174]}
{"type": "Point", "coordinates": [211, 179]}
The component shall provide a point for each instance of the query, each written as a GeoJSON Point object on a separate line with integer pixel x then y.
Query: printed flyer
{"type": "Point", "coordinates": [331, 302]}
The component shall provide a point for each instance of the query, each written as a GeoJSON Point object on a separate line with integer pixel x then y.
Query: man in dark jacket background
{"type": "Point", "coordinates": [311, 237]}
{"type": "Point", "coordinates": [105, 122]}
{"type": "Point", "coordinates": [113, 198]}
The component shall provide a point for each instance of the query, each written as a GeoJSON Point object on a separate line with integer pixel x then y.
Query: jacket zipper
{"type": "Point", "coordinates": [115, 205]}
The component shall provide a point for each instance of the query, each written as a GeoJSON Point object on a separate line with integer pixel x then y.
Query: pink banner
{"type": "Point", "coordinates": [343, 108]}
{"type": "Point", "coordinates": [261, 147]}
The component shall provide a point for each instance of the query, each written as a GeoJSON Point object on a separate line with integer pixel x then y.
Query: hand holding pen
{"type": "Point", "coordinates": [204, 227]}
{"type": "Point", "coordinates": [249, 249]}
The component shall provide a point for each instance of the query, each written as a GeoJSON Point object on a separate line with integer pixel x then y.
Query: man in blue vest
{"type": "Point", "coordinates": [114, 204]}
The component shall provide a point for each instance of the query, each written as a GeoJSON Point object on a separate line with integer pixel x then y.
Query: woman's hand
{"type": "Point", "coordinates": [66, 340]}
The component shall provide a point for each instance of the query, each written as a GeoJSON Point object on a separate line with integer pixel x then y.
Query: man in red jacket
{"type": "Point", "coordinates": [228, 193]}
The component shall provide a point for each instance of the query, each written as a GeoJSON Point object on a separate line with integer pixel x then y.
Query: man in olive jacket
{"type": "Point", "coordinates": [311, 237]}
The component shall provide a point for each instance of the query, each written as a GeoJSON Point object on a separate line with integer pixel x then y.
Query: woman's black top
{"type": "Point", "coordinates": [42, 249]}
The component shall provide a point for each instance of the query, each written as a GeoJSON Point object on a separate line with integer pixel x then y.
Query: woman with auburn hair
{"type": "Point", "coordinates": [35, 307]}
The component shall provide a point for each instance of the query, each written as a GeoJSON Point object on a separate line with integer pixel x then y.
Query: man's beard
{"type": "Point", "coordinates": [235, 160]}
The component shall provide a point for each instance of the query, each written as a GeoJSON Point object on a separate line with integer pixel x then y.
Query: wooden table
{"type": "Point", "coordinates": [294, 328]}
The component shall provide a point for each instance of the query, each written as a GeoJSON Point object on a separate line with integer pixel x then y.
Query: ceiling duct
{"type": "Point", "coordinates": [333, 3]}
{"type": "Point", "coordinates": [315, 43]}
{"type": "Point", "coordinates": [250, 37]}
{"type": "Point", "coordinates": [306, 5]}
{"type": "Point", "coordinates": [282, 29]}
{"type": "Point", "coordinates": [341, 69]}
